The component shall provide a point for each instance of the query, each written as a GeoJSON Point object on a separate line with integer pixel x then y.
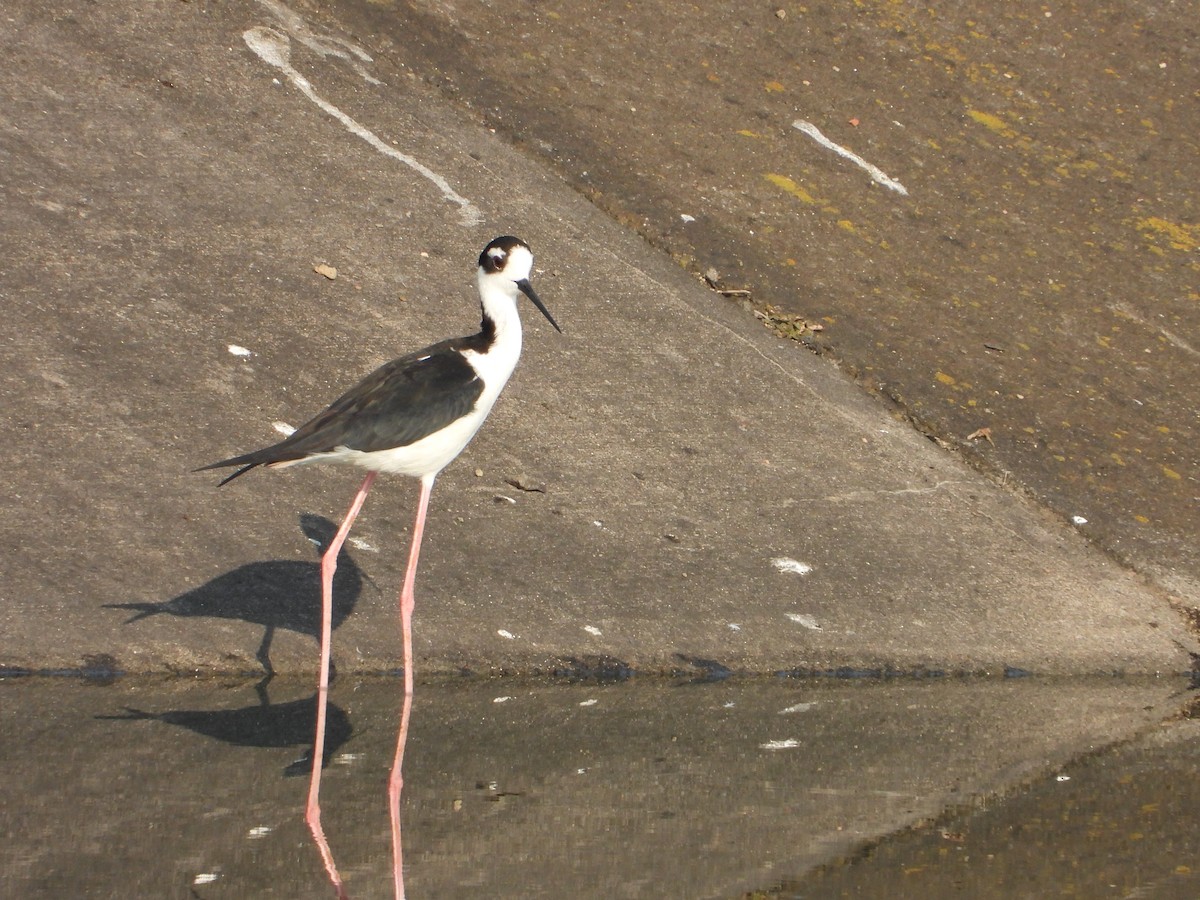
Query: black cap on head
{"type": "Point", "coordinates": [495, 254]}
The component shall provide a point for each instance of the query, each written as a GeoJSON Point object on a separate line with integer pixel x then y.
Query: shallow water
{"type": "Point", "coordinates": [642, 788]}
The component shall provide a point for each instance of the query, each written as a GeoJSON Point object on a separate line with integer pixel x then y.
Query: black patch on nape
{"type": "Point", "coordinates": [495, 254]}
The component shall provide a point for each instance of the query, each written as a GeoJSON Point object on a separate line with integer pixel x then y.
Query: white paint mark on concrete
{"type": "Point", "coordinates": [589, 702]}
{"type": "Point", "coordinates": [239, 350]}
{"type": "Point", "coordinates": [507, 635]}
{"type": "Point", "coordinates": [798, 708]}
{"type": "Point", "coordinates": [205, 878]}
{"type": "Point", "coordinates": [274, 48]}
{"type": "Point", "coordinates": [734, 626]}
{"type": "Point", "coordinates": [339, 48]}
{"type": "Point", "coordinates": [791, 566]}
{"type": "Point", "coordinates": [592, 629]}
{"type": "Point", "coordinates": [1079, 520]}
{"type": "Point", "coordinates": [259, 831]}
{"type": "Point", "coordinates": [877, 174]}
{"type": "Point", "coordinates": [1124, 309]}
{"type": "Point", "coordinates": [856, 496]}
{"type": "Point", "coordinates": [347, 759]}
{"type": "Point", "coordinates": [501, 699]}
{"type": "Point", "coordinates": [360, 544]}
{"type": "Point", "coordinates": [805, 620]}
{"type": "Point", "coordinates": [686, 218]}
{"type": "Point", "coordinates": [283, 428]}
{"type": "Point", "coordinates": [787, 744]}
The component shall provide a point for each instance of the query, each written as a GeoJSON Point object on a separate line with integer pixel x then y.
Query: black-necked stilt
{"type": "Point", "coordinates": [413, 416]}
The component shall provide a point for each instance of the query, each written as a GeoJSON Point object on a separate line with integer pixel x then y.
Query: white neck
{"type": "Point", "coordinates": [498, 297]}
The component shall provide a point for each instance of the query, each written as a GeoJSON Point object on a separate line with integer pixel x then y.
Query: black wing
{"type": "Point", "coordinates": [396, 405]}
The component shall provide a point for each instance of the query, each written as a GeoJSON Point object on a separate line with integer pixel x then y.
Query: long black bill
{"type": "Point", "coordinates": [527, 289]}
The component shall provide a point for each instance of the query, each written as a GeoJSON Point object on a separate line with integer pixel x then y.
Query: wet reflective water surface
{"type": "Point", "coordinates": [641, 788]}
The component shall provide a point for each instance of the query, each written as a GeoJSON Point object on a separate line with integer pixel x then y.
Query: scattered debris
{"type": "Point", "coordinates": [328, 271]}
{"type": "Point", "coordinates": [982, 434]}
{"type": "Point", "coordinates": [522, 483]}
{"type": "Point", "coordinates": [787, 744]}
{"type": "Point", "coordinates": [792, 566]}
{"type": "Point", "coordinates": [798, 708]}
{"type": "Point", "coordinates": [807, 621]}
{"type": "Point", "coordinates": [713, 278]}
{"type": "Point", "coordinates": [786, 324]}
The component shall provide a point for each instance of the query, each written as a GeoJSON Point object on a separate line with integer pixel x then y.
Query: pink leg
{"type": "Point", "coordinates": [312, 812]}
{"type": "Point", "coordinates": [407, 603]}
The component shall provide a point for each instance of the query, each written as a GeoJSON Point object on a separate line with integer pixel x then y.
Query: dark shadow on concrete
{"type": "Point", "coordinates": [593, 668]}
{"type": "Point", "coordinates": [275, 594]}
{"type": "Point", "coordinates": [264, 724]}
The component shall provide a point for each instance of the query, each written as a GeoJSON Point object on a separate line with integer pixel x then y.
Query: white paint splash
{"type": "Point", "coordinates": [787, 744]}
{"type": "Point", "coordinates": [592, 629]}
{"type": "Point", "coordinates": [360, 544]}
{"type": "Point", "coordinates": [877, 174]}
{"type": "Point", "coordinates": [205, 878]}
{"type": "Point", "coordinates": [589, 702]}
{"type": "Point", "coordinates": [791, 566]}
{"type": "Point", "coordinates": [734, 626]}
{"type": "Point", "coordinates": [239, 350]}
{"type": "Point", "coordinates": [283, 428]}
{"type": "Point", "coordinates": [259, 831]}
{"type": "Point", "coordinates": [507, 635]}
{"type": "Point", "coordinates": [805, 620]}
{"type": "Point", "coordinates": [274, 49]}
{"type": "Point", "coordinates": [501, 699]}
{"type": "Point", "coordinates": [1079, 520]}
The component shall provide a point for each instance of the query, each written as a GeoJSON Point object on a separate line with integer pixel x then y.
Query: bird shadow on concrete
{"type": "Point", "coordinates": [274, 594]}
{"type": "Point", "coordinates": [263, 725]}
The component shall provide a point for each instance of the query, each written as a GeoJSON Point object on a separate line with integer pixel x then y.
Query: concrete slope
{"type": "Point", "coordinates": [667, 486]}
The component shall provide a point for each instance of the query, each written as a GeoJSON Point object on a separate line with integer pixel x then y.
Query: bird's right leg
{"type": "Point", "coordinates": [312, 812]}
